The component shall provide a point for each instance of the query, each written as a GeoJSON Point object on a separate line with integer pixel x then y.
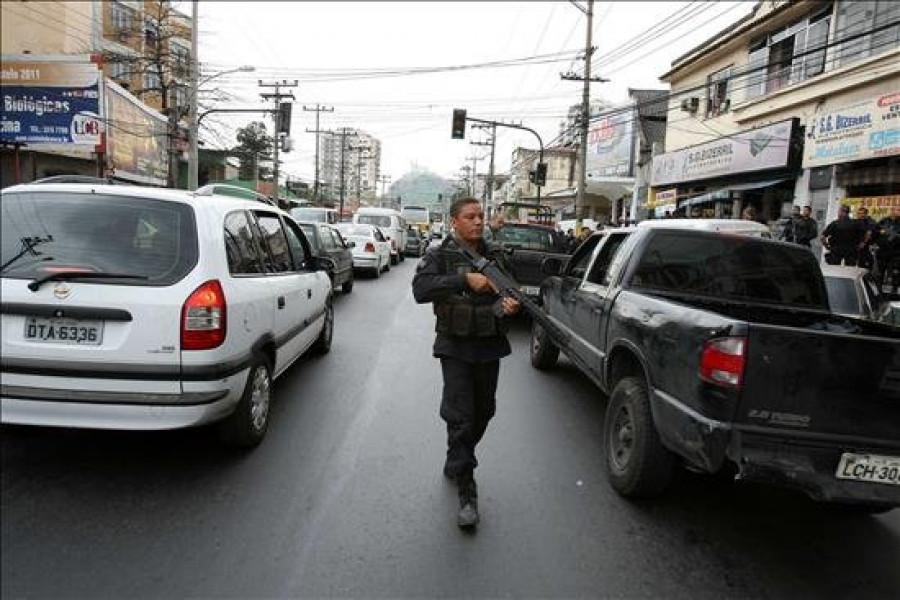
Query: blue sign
{"type": "Point", "coordinates": [51, 103]}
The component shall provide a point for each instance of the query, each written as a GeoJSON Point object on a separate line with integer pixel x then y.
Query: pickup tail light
{"type": "Point", "coordinates": [723, 360]}
{"type": "Point", "coordinates": [203, 318]}
{"type": "Point", "coordinates": [370, 247]}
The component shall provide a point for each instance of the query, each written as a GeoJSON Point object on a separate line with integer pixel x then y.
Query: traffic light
{"type": "Point", "coordinates": [540, 175]}
{"type": "Point", "coordinates": [283, 118]}
{"type": "Point", "coordinates": [459, 124]}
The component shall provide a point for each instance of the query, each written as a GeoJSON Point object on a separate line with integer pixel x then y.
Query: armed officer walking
{"type": "Point", "coordinates": [471, 339]}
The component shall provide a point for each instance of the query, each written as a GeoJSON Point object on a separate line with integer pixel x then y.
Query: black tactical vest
{"type": "Point", "coordinates": [466, 314]}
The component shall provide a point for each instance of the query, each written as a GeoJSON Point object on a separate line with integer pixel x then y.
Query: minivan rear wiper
{"type": "Point", "coordinates": [66, 275]}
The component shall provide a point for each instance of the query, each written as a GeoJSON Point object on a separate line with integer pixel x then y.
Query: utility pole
{"type": "Point", "coordinates": [318, 109]}
{"type": "Point", "coordinates": [277, 97]}
{"type": "Point", "coordinates": [383, 180]}
{"type": "Point", "coordinates": [343, 133]}
{"type": "Point", "coordinates": [359, 157]}
{"type": "Point", "coordinates": [487, 193]}
{"type": "Point", "coordinates": [581, 193]}
{"type": "Point", "coordinates": [193, 127]}
{"type": "Point", "coordinates": [474, 160]}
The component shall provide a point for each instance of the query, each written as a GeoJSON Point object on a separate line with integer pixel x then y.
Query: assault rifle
{"type": "Point", "coordinates": [509, 288]}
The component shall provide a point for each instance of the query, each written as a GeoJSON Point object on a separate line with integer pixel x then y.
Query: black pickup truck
{"type": "Point", "coordinates": [527, 246]}
{"type": "Point", "coordinates": [720, 352]}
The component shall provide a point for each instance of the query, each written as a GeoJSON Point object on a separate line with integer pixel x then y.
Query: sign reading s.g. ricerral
{"type": "Point", "coordinates": [51, 100]}
{"type": "Point", "coordinates": [754, 150]}
{"type": "Point", "coordinates": [867, 129]}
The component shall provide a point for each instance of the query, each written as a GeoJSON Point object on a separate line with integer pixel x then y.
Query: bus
{"type": "Point", "coordinates": [418, 217]}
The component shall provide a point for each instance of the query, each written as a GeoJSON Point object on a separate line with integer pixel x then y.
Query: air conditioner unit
{"type": "Point", "coordinates": [690, 104]}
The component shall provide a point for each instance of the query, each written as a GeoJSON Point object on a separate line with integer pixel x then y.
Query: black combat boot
{"type": "Point", "coordinates": [467, 518]}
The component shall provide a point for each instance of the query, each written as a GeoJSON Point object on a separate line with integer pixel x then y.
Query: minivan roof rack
{"type": "Point", "coordinates": [235, 191]}
{"type": "Point", "coordinates": [79, 179]}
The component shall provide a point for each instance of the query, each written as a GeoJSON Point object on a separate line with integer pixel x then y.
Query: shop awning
{"type": "Point", "coordinates": [725, 193]}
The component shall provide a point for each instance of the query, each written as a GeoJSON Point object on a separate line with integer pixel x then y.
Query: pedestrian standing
{"type": "Point", "coordinates": [888, 255]}
{"type": "Point", "coordinates": [805, 228]}
{"type": "Point", "coordinates": [866, 259]}
{"type": "Point", "coordinates": [787, 234]}
{"type": "Point", "coordinates": [471, 339]}
{"type": "Point", "coordinates": [842, 238]}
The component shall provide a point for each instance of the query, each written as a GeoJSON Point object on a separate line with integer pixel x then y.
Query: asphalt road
{"type": "Point", "coordinates": [345, 498]}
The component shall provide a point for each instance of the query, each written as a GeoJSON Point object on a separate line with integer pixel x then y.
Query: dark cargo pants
{"type": "Point", "coordinates": [467, 405]}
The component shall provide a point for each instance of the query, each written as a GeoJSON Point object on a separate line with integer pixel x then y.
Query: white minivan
{"type": "Point", "coordinates": [390, 222]}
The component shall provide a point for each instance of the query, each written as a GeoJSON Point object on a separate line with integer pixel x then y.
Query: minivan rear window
{"type": "Point", "coordinates": [47, 232]}
{"type": "Point", "coordinates": [378, 220]}
{"type": "Point", "coordinates": [733, 267]}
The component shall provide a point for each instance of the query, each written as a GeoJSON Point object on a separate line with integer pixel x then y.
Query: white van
{"type": "Point", "coordinates": [318, 214]}
{"type": "Point", "coordinates": [391, 224]}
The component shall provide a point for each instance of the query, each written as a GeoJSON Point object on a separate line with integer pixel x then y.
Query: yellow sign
{"type": "Point", "coordinates": [879, 206]}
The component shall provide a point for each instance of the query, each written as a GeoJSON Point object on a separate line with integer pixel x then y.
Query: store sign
{"type": "Point", "coordinates": [609, 146]}
{"type": "Point", "coordinates": [137, 140]}
{"type": "Point", "coordinates": [51, 100]}
{"type": "Point", "coordinates": [879, 206]}
{"type": "Point", "coordinates": [868, 129]}
{"type": "Point", "coordinates": [748, 151]}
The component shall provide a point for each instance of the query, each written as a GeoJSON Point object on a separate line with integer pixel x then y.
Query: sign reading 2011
{"type": "Point", "coordinates": [51, 100]}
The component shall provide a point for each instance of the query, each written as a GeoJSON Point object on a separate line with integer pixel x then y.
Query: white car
{"type": "Point", "coordinates": [371, 250]}
{"type": "Point", "coordinates": [127, 307]}
{"type": "Point", "coordinates": [853, 293]}
{"type": "Point", "coordinates": [392, 225]}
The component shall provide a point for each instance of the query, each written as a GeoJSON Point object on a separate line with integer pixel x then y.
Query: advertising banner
{"type": "Point", "coordinates": [610, 145]}
{"type": "Point", "coordinates": [51, 100]}
{"type": "Point", "coordinates": [879, 206]}
{"type": "Point", "coordinates": [137, 139]}
{"type": "Point", "coordinates": [747, 151]}
{"type": "Point", "coordinates": [868, 129]}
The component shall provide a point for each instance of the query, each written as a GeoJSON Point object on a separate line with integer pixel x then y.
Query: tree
{"type": "Point", "coordinates": [253, 145]}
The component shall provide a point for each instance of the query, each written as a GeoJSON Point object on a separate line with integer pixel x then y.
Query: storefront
{"type": "Point", "coordinates": [852, 156]}
{"type": "Point", "coordinates": [757, 168]}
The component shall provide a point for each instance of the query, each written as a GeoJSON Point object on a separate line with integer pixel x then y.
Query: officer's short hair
{"type": "Point", "coordinates": [457, 206]}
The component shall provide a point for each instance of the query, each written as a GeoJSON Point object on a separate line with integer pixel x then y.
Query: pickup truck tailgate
{"type": "Point", "coordinates": [824, 386]}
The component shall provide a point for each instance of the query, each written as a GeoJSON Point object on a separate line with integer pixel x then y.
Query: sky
{"type": "Point", "coordinates": [357, 57]}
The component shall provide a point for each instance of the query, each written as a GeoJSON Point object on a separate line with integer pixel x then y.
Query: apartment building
{"type": "Point", "coordinates": [361, 167]}
{"type": "Point", "coordinates": [143, 48]}
{"type": "Point", "coordinates": [797, 103]}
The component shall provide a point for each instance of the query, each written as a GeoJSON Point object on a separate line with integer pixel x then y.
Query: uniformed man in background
{"type": "Point", "coordinates": [471, 339]}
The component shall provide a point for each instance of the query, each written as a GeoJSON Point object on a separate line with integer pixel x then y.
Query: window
{"type": "Point", "coordinates": [729, 267]}
{"type": "Point", "coordinates": [152, 81]}
{"type": "Point", "coordinates": [788, 55]}
{"type": "Point", "coordinates": [604, 258]}
{"type": "Point", "coordinates": [578, 264]}
{"type": "Point", "coordinates": [526, 238]}
{"type": "Point", "coordinates": [328, 241]}
{"type": "Point", "coordinates": [295, 243]}
{"type": "Point", "coordinates": [718, 92]}
{"type": "Point", "coordinates": [242, 250]}
{"type": "Point", "coordinates": [97, 232]}
{"type": "Point", "coordinates": [278, 258]}
{"type": "Point", "coordinates": [842, 296]}
{"type": "Point", "coordinates": [856, 18]}
{"type": "Point", "coordinates": [120, 16]}
{"type": "Point", "coordinates": [619, 260]}
{"type": "Point", "coordinates": [119, 70]}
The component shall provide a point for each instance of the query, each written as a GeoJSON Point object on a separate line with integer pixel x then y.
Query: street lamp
{"type": "Point", "coordinates": [193, 123]}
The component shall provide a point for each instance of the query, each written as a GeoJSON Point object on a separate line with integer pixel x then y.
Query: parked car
{"type": "Point", "coordinates": [719, 352]}
{"type": "Point", "coordinates": [853, 293]}
{"type": "Point", "coordinates": [529, 245]}
{"type": "Point", "coordinates": [327, 243]}
{"type": "Point", "coordinates": [416, 243]}
{"type": "Point", "coordinates": [371, 250]}
{"type": "Point", "coordinates": [315, 214]}
{"type": "Point", "coordinates": [391, 224]}
{"type": "Point", "coordinates": [127, 307]}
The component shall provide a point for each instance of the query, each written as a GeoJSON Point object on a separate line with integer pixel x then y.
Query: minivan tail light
{"type": "Point", "coordinates": [203, 318]}
{"type": "Point", "coordinates": [370, 247]}
{"type": "Point", "coordinates": [723, 360]}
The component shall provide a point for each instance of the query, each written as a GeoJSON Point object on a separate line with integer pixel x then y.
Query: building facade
{"type": "Point", "coordinates": [797, 103]}
{"type": "Point", "coordinates": [361, 156]}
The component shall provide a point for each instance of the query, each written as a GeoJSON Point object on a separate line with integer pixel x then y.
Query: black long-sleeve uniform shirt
{"type": "Point", "coordinates": [432, 283]}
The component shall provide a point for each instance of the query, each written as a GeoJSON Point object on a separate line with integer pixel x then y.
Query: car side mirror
{"type": "Point", "coordinates": [551, 266]}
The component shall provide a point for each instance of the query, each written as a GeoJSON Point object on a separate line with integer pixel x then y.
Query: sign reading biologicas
{"type": "Point", "coordinates": [51, 100]}
{"type": "Point", "coordinates": [767, 147]}
{"type": "Point", "coordinates": [868, 129]}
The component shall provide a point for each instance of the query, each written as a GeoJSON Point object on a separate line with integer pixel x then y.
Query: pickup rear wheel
{"type": "Point", "coordinates": [544, 352]}
{"type": "Point", "coordinates": [637, 463]}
